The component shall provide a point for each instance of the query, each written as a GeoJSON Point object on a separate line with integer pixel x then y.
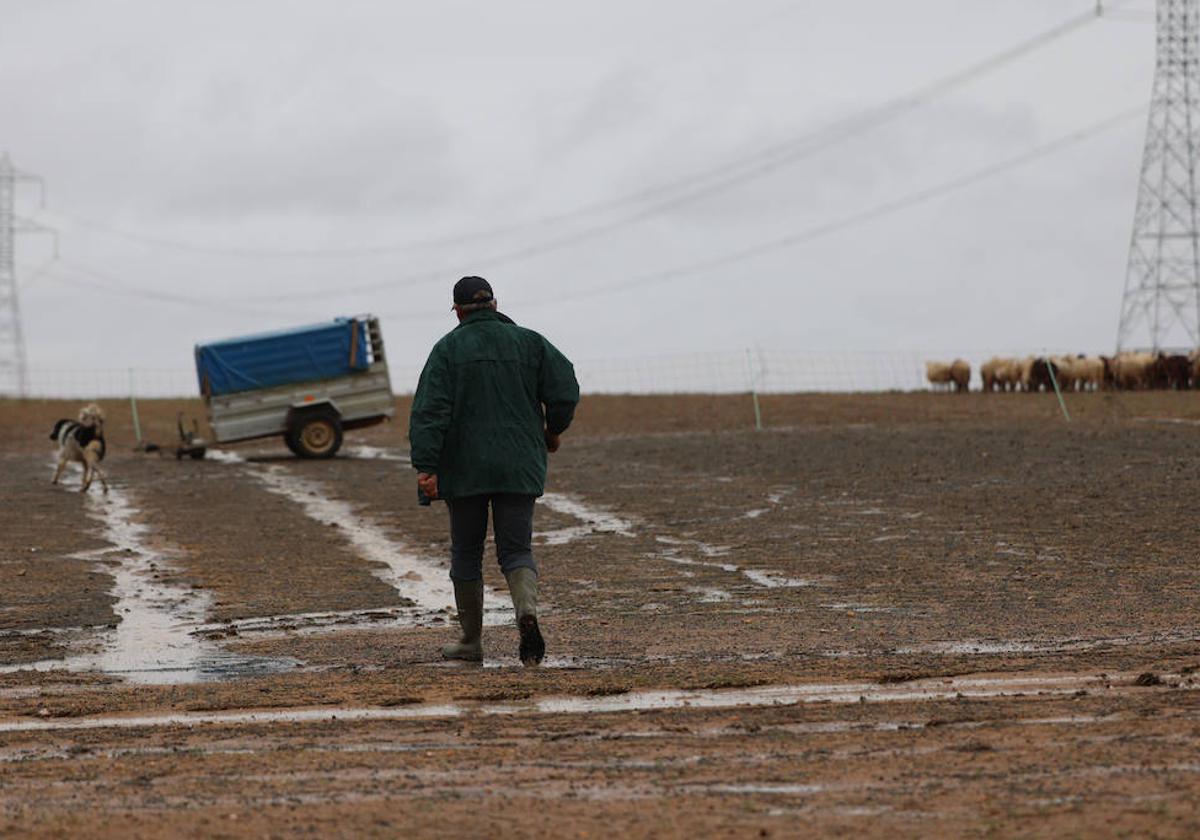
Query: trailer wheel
{"type": "Point", "coordinates": [315, 434]}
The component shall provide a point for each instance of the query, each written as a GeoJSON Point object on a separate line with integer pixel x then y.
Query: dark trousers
{"type": "Point", "coordinates": [512, 523]}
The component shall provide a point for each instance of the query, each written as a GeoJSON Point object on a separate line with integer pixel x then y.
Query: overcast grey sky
{"type": "Point", "coordinates": [246, 130]}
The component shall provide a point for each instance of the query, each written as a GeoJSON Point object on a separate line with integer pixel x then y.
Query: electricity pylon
{"type": "Point", "coordinates": [14, 373]}
{"type": "Point", "coordinates": [1161, 307]}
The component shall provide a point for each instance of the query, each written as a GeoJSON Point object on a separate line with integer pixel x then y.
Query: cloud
{"type": "Point", "coordinates": [303, 124]}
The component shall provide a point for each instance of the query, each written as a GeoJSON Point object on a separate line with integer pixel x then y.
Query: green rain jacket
{"type": "Point", "coordinates": [489, 392]}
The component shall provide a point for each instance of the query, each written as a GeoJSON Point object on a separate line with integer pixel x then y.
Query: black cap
{"type": "Point", "coordinates": [472, 290]}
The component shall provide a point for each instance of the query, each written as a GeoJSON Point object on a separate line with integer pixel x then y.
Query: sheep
{"type": "Point", "coordinates": [1110, 372]}
{"type": "Point", "coordinates": [1090, 372]}
{"type": "Point", "coordinates": [1010, 374]}
{"type": "Point", "coordinates": [989, 372]}
{"type": "Point", "coordinates": [1042, 374]}
{"type": "Point", "coordinates": [999, 374]}
{"type": "Point", "coordinates": [1173, 372]}
{"type": "Point", "coordinates": [938, 373]}
{"type": "Point", "coordinates": [1127, 370]}
{"type": "Point", "coordinates": [1132, 371]}
{"type": "Point", "coordinates": [960, 373]}
{"type": "Point", "coordinates": [1067, 370]}
{"type": "Point", "coordinates": [1026, 370]}
{"type": "Point", "coordinates": [956, 373]}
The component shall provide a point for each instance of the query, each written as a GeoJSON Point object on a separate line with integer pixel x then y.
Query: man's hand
{"type": "Point", "coordinates": [552, 442]}
{"type": "Point", "coordinates": [428, 484]}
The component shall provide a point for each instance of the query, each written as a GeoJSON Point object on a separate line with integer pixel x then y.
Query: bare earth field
{"type": "Point", "coordinates": [897, 614]}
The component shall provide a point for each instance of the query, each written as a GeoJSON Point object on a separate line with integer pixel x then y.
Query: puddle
{"type": "Point", "coordinates": [776, 580]}
{"type": "Point", "coordinates": [55, 631]}
{"type": "Point", "coordinates": [840, 726]}
{"type": "Point", "coordinates": [224, 456]}
{"type": "Point", "coordinates": [702, 547]}
{"type": "Point", "coordinates": [311, 623]}
{"type": "Point", "coordinates": [860, 608]}
{"type": "Point", "coordinates": [999, 646]}
{"type": "Point", "coordinates": [672, 557]}
{"type": "Point", "coordinates": [152, 642]}
{"type": "Point", "coordinates": [784, 790]}
{"type": "Point", "coordinates": [595, 520]}
{"type": "Point", "coordinates": [1172, 421]}
{"type": "Point", "coordinates": [934, 689]}
{"type": "Point", "coordinates": [564, 663]}
{"type": "Point", "coordinates": [766, 578]}
{"type": "Point", "coordinates": [423, 582]}
{"type": "Point", "coordinates": [709, 595]}
{"type": "Point", "coordinates": [562, 536]}
{"type": "Point", "coordinates": [991, 647]}
{"type": "Point", "coordinates": [376, 453]}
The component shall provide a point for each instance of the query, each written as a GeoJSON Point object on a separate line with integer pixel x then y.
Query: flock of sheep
{"type": "Point", "coordinates": [1124, 371]}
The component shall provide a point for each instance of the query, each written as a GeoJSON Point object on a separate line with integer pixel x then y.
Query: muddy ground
{"type": "Point", "coordinates": [931, 615]}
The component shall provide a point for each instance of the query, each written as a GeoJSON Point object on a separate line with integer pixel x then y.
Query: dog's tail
{"type": "Point", "coordinates": [58, 429]}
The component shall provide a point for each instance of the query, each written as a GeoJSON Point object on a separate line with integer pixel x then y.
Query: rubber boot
{"type": "Point", "coordinates": [468, 598]}
{"type": "Point", "coordinates": [523, 586]}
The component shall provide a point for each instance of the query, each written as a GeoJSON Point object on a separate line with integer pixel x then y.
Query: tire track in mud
{"type": "Point", "coordinates": [598, 521]}
{"type": "Point", "coordinates": [151, 641]}
{"type": "Point", "coordinates": [594, 520]}
{"type": "Point", "coordinates": [43, 532]}
{"type": "Point", "coordinates": [422, 582]}
{"type": "Point", "coordinates": [576, 519]}
{"type": "Point", "coordinates": [1009, 687]}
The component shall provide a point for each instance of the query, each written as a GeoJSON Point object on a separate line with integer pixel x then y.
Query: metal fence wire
{"type": "Point", "coordinates": [768, 371]}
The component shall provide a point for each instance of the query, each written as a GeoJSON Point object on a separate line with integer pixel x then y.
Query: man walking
{"type": "Point", "coordinates": [491, 402]}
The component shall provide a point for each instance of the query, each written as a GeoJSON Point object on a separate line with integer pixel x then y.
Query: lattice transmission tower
{"type": "Point", "coordinates": [14, 373]}
{"type": "Point", "coordinates": [1161, 307]}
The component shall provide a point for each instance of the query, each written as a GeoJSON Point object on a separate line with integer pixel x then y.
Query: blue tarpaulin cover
{"type": "Point", "coordinates": [303, 354]}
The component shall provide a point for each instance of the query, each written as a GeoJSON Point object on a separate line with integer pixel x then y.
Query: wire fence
{"type": "Point", "coordinates": [717, 372]}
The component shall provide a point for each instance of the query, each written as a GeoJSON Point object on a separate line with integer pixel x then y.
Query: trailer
{"type": "Point", "coordinates": [307, 385]}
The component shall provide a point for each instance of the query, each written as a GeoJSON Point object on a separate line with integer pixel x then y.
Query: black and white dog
{"type": "Point", "coordinates": [82, 441]}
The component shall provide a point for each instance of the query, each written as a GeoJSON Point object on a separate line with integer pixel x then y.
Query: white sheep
{"type": "Point", "coordinates": [938, 373]}
{"type": "Point", "coordinates": [1090, 373]}
{"type": "Point", "coordinates": [990, 373]}
{"type": "Point", "coordinates": [1132, 370]}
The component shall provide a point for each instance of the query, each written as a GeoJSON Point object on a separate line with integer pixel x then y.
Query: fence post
{"type": "Point", "coordinates": [1057, 391]}
{"type": "Point", "coordinates": [137, 426]}
{"type": "Point", "coordinates": [753, 392]}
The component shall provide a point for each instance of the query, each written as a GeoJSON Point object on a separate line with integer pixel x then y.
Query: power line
{"type": "Point", "coordinates": [84, 277]}
{"type": "Point", "coordinates": [690, 188]}
{"type": "Point", "coordinates": [32, 275]}
{"type": "Point", "coordinates": [106, 283]}
{"type": "Point", "coordinates": [829, 228]}
{"type": "Point", "coordinates": [786, 155]}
